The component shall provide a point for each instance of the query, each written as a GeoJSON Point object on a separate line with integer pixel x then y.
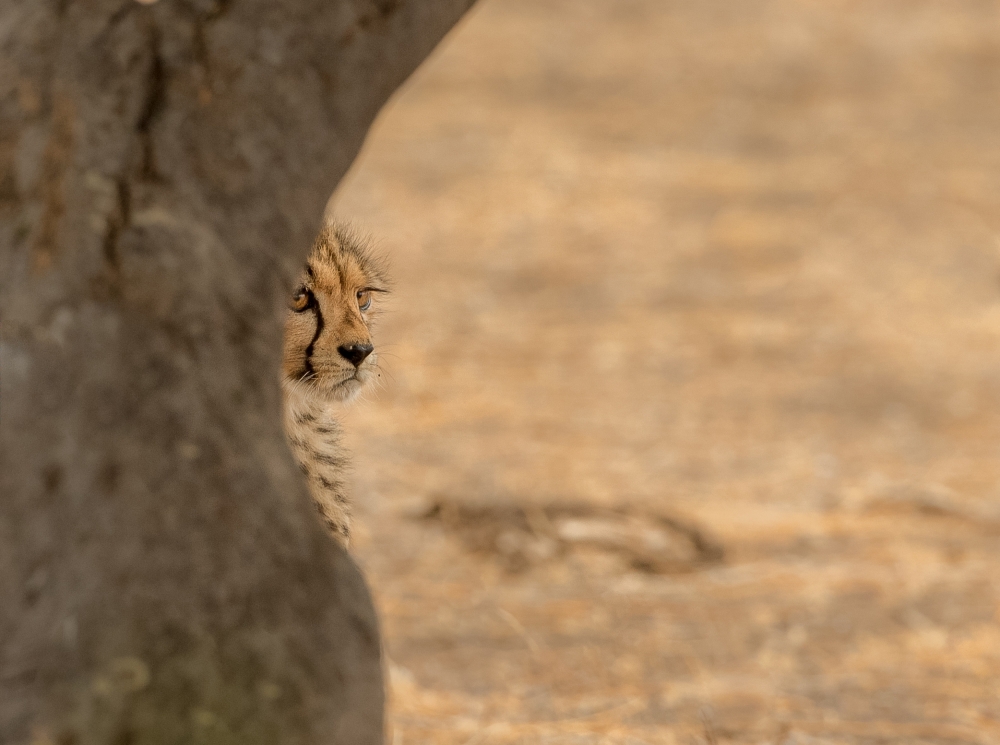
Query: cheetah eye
{"type": "Point", "coordinates": [364, 299]}
{"type": "Point", "coordinates": [302, 300]}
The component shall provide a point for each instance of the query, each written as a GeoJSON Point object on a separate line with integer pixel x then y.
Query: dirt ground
{"type": "Point", "coordinates": [732, 265]}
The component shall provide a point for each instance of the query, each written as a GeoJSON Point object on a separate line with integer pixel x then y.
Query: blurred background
{"type": "Point", "coordinates": [688, 431]}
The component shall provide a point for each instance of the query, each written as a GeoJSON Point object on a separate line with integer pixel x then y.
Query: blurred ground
{"type": "Point", "coordinates": [738, 263]}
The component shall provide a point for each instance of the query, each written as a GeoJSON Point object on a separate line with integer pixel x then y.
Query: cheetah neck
{"type": "Point", "coordinates": [314, 434]}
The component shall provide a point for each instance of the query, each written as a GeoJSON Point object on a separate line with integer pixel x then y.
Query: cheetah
{"type": "Point", "coordinates": [328, 359]}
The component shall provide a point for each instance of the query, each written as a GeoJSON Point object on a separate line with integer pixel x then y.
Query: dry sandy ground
{"type": "Point", "coordinates": [732, 262]}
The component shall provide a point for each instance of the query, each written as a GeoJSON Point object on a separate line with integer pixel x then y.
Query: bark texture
{"type": "Point", "coordinates": [163, 169]}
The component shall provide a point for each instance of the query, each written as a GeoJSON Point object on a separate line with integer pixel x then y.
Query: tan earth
{"type": "Point", "coordinates": [732, 263]}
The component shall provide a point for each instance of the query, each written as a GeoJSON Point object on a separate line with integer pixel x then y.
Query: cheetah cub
{"type": "Point", "coordinates": [328, 359]}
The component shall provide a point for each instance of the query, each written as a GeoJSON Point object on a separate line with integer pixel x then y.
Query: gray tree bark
{"type": "Point", "coordinates": [163, 169]}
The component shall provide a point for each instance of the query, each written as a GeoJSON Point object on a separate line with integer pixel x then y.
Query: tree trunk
{"type": "Point", "coordinates": [163, 169]}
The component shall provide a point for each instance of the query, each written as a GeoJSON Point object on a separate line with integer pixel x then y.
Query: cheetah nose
{"type": "Point", "coordinates": [355, 353]}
